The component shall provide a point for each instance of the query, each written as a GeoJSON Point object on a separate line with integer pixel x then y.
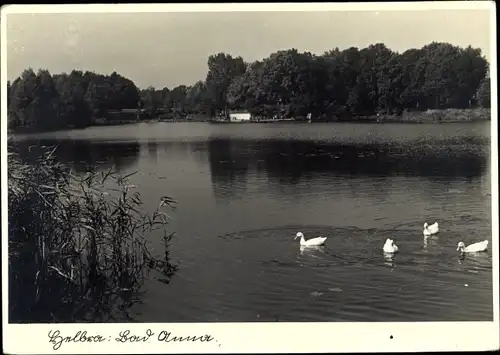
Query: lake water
{"type": "Point", "coordinates": [244, 191]}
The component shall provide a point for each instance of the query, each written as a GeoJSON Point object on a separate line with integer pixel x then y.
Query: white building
{"type": "Point", "coordinates": [240, 117]}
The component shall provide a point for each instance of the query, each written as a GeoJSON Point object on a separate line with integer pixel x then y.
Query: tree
{"type": "Point", "coordinates": [483, 94]}
{"type": "Point", "coordinates": [222, 70]}
{"type": "Point", "coordinates": [123, 92]}
{"type": "Point", "coordinates": [150, 102]}
{"type": "Point", "coordinates": [164, 94]}
{"type": "Point", "coordinates": [73, 108]}
{"type": "Point", "coordinates": [20, 109]}
{"type": "Point", "coordinates": [409, 79]}
{"type": "Point", "coordinates": [46, 101]}
{"type": "Point", "coordinates": [349, 82]}
{"type": "Point", "coordinates": [178, 97]}
{"type": "Point", "coordinates": [342, 70]}
{"type": "Point", "coordinates": [237, 92]}
{"type": "Point", "coordinates": [197, 99]}
{"type": "Point", "coordinates": [9, 89]}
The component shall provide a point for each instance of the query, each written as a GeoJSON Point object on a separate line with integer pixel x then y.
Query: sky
{"type": "Point", "coordinates": [169, 49]}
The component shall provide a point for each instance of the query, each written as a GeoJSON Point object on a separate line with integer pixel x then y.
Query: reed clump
{"type": "Point", "coordinates": [78, 245]}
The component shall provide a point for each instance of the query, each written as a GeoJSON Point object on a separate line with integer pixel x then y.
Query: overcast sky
{"type": "Point", "coordinates": [169, 49]}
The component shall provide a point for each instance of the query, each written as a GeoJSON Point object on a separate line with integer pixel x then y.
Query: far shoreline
{"type": "Point", "coordinates": [416, 117]}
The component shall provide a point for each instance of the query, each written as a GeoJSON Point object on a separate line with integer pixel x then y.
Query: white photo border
{"type": "Point", "coordinates": [259, 337]}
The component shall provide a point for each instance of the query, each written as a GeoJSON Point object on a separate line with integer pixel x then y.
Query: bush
{"type": "Point", "coordinates": [484, 93]}
{"type": "Point", "coordinates": [77, 244]}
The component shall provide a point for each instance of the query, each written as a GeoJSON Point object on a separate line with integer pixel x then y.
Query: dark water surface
{"type": "Point", "coordinates": [245, 190]}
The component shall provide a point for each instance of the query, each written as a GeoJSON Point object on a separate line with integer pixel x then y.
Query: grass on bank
{"type": "Point", "coordinates": [78, 245]}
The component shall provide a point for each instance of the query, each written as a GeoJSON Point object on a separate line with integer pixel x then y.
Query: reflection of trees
{"type": "Point", "coordinates": [283, 161]}
{"type": "Point", "coordinates": [373, 160]}
{"type": "Point", "coordinates": [290, 161]}
{"type": "Point", "coordinates": [83, 155]}
{"type": "Point", "coordinates": [229, 165]}
{"type": "Point", "coordinates": [153, 149]}
{"type": "Point", "coordinates": [195, 150]}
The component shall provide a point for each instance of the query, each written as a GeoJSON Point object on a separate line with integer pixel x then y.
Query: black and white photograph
{"type": "Point", "coordinates": [230, 165]}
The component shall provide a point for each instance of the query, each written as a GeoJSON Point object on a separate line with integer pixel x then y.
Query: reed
{"type": "Point", "coordinates": [78, 245]}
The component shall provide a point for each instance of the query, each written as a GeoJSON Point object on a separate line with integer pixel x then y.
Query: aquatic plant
{"type": "Point", "coordinates": [78, 244]}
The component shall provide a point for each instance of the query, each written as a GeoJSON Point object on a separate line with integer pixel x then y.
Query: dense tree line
{"type": "Point", "coordinates": [363, 82]}
{"type": "Point", "coordinates": [351, 82]}
{"type": "Point", "coordinates": [204, 97]}
{"type": "Point", "coordinates": [176, 102]}
{"type": "Point", "coordinates": [43, 101]}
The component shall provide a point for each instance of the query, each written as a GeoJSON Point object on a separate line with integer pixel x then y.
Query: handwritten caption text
{"type": "Point", "coordinates": [124, 337]}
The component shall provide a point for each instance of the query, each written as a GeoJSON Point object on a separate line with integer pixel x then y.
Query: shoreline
{"type": "Point", "coordinates": [415, 117]}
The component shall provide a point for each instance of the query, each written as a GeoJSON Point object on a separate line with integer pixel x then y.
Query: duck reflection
{"type": "Point", "coordinates": [461, 258]}
{"type": "Point", "coordinates": [430, 241]}
{"type": "Point", "coordinates": [390, 260]}
{"type": "Point", "coordinates": [476, 259]}
{"type": "Point", "coordinates": [315, 251]}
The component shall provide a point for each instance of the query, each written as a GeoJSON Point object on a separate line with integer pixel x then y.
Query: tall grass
{"type": "Point", "coordinates": [78, 245]}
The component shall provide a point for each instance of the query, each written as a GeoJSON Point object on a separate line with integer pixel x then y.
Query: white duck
{"type": "Point", "coordinates": [473, 248]}
{"type": "Point", "coordinates": [432, 229]}
{"type": "Point", "coordinates": [311, 242]}
{"type": "Point", "coordinates": [390, 247]}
